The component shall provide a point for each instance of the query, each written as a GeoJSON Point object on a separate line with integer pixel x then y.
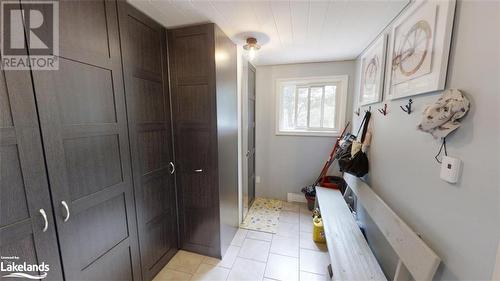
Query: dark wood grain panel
{"type": "Point", "coordinates": [154, 150]}
{"type": "Point", "coordinates": [5, 111]}
{"type": "Point", "coordinates": [13, 201]}
{"type": "Point", "coordinates": [251, 135]}
{"type": "Point", "coordinates": [90, 91]}
{"type": "Point", "coordinates": [110, 213]}
{"type": "Point", "coordinates": [148, 107]}
{"type": "Point", "coordinates": [84, 29]}
{"type": "Point", "coordinates": [192, 64]}
{"type": "Point", "coordinates": [22, 248]}
{"type": "Point", "coordinates": [92, 164]}
{"type": "Point", "coordinates": [24, 188]}
{"type": "Point", "coordinates": [84, 128]}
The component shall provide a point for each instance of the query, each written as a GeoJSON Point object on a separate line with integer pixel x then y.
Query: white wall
{"type": "Point", "coordinates": [461, 222]}
{"type": "Point", "coordinates": [287, 163]}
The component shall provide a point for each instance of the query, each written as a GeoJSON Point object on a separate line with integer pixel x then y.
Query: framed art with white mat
{"type": "Point", "coordinates": [419, 49]}
{"type": "Point", "coordinates": [372, 72]}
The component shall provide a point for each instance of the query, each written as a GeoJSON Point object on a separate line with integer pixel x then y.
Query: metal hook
{"type": "Point", "coordinates": [383, 110]}
{"type": "Point", "coordinates": [407, 107]}
{"type": "Point", "coordinates": [357, 112]}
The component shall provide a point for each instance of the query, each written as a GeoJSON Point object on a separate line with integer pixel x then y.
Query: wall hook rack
{"type": "Point", "coordinates": [383, 110]}
{"type": "Point", "coordinates": [407, 108]}
{"type": "Point", "coordinates": [357, 112]}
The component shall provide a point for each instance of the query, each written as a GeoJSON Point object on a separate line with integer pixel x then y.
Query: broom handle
{"type": "Point", "coordinates": [330, 159]}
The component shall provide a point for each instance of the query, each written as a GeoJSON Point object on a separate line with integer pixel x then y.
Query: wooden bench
{"type": "Point", "coordinates": [350, 255]}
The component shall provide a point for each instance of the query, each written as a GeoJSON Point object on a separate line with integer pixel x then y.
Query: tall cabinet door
{"type": "Point", "coordinates": [192, 67]}
{"type": "Point", "coordinates": [148, 110]}
{"type": "Point", "coordinates": [27, 229]}
{"type": "Point", "coordinates": [84, 129]}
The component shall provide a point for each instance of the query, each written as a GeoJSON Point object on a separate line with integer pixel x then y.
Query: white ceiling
{"type": "Point", "coordinates": [290, 31]}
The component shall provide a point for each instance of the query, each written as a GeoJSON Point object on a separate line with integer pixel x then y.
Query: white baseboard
{"type": "Point", "coordinates": [296, 197]}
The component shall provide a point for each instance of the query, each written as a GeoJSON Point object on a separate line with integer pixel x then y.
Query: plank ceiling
{"type": "Point", "coordinates": [290, 31]}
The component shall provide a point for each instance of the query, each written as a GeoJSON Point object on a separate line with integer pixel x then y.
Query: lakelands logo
{"type": "Point", "coordinates": [15, 269]}
{"type": "Point", "coordinates": [30, 35]}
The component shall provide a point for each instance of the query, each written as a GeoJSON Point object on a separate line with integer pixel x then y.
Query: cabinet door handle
{"type": "Point", "coordinates": [172, 168]}
{"type": "Point", "coordinates": [46, 222]}
{"type": "Point", "coordinates": [66, 208]}
{"type": "Point", "coordinates": [198, 170]}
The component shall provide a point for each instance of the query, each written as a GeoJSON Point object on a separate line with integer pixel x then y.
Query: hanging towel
{"type": "Point", "coordinates": [443, 117]}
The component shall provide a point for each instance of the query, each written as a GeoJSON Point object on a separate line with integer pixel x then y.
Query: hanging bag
{"type": "Point", "coordinates": [356, 163]}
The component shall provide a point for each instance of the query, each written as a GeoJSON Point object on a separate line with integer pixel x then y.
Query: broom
{"type": "Point", "coordinates": [310, 189]}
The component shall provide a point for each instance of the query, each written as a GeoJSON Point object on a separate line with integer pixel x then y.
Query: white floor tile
{"type": "Point", "coordinates": [290, 207]}
{"type": "Point", "coordinates": [307, 276]}
{"type": "Point", "coordinates": [227, 260]}
{"type": "Point", "coordinates": [288, 229]}
{"type": "Point", "coordinates": [291, 217]}
{"type": "Point", "coordinates": [247, 270]}
{"type": "Point", "coordinates": [282, 268]}
{"type": "Point", "coordinates": [306, 225]}
{"type": "Point", "coordinates": [172, 275]}
{"type": "Point", "coordinates": [185, 262]}
{"type": "Point", "coordinates": [286, 246]}
{"type": "Point", "coordinates": [207, 272]}
{"type": "Point", "coordinates": [239, 237]}
{"type": "Point", "coordinates": [255, 250]}
{"type": "Point", "coordinates": [314, 261]}
{"type": "Point", "coordinates": [259, 235]}
{"type": "Point", "coordinates": [307, 242]}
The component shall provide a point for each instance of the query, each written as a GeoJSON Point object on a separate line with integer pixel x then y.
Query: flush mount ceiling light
{"type": "Point", "coordinates": [251, 46]}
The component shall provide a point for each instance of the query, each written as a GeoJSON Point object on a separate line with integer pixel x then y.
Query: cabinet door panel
{"type": "Point", "coordinates": [24, 189]}
{"type": "Point", "coordinates": [143, 44]}
{"type": "Point", "coordinates": [192, 66]}
{"type": "Point", "coordinates": [84, 128]}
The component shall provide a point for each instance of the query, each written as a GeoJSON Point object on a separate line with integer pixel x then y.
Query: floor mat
{"type": "Point", "coordinates": [263, 215]}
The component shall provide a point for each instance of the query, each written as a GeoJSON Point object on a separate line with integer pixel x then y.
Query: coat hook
{"type": "Point", "coordinates": [407, 107]}
{"type": "Point", "coordinates": [357, 112]}
{"type": "Point", "coordinates": [384, 110]}
{"type": "Point", "coordinates": [369, 109]}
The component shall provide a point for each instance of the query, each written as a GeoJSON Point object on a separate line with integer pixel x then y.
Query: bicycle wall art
{"type": "Point", "coordinates": [419, 49]}
{"type": "Point", "coordinates": [372, 72]}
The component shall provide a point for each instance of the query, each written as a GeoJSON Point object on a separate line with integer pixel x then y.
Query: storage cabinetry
{"type": "Point", "coordinates": [144, 51]}
{"type": "Point", "coordinates": [87, 182]}
{"type": "Point", "coordinates": [204, 106]}
{"type": "Point", "coordinates": [84, 128]}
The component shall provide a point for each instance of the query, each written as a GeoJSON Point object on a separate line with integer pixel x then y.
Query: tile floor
{"type": "Point", "coordinates": [288, 255]}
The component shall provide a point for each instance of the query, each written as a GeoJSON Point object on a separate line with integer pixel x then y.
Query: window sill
{"type": "Point", "coordinates": [308, 133]}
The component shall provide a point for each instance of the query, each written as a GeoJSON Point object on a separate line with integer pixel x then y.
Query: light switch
{"type": "Point", "coordinates": [450, 169]}
{"type": "Point", "coordinates": [257, 179]}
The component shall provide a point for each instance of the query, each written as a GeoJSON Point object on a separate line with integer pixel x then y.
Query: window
{"type": "Point", "coordinates": [311, 106]}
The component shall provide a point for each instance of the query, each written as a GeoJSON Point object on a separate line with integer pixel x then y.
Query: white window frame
{"type": "Point", "coordinates": [340, 103]}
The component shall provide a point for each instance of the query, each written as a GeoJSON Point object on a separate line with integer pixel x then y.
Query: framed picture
{"type": "Point", "coordinates": [372, 72]}
{"type": "Point", "coordinates": [419, 49]}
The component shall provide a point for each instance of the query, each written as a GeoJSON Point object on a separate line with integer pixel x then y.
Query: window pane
{"type": "Point", "coordinates": [329, 107]}
{"type": "Point", "coordinates": [302, 107]}
{"type": "Point", "coordinates": [315, 107]}
{"type": "Point", "coordinates": [288, 108]}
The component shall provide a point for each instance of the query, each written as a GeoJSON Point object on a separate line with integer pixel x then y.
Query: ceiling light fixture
{"type": "Point", "coordinates": [251, 46]}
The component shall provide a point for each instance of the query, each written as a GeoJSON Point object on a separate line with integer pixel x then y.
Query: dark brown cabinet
{"type": "Point", "coordinates": [204, 106]}
{"type": "Point", "coordinates": [144, 52]}
{"type": "Point", "coordinates": [27, 229]}
{"type": "Point", "coordinates": [88, 181]}
{"type": "Point", "coordinates": [84, 128]}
